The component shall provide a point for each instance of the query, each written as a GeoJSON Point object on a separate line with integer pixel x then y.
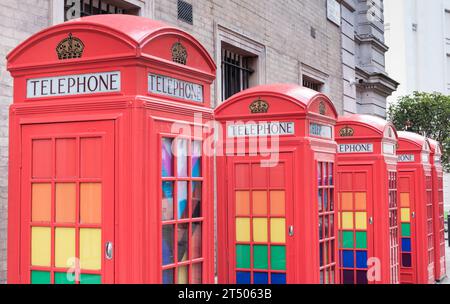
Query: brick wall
{"type": "Point", "coordinates": [283, 27]}
{"type": "Point", "coordinates": [18, 21]}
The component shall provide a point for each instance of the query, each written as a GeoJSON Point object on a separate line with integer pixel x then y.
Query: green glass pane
{"type": "Point", "coordinates": [64, 278]}
{"type": "Point", "coordinates": [278, 257]}
{"type": "Point", "coordinates": [260, 260]}
{"type": "Point", "coordinates": [90, 278]}
{"type": "Point", "coordinates": [243, 256]}
{"type": "Point", "coordinates": [347, 239]}
{"type": "Point", "coordinates": [406, 230]}
{"type": "Point", "coordinates": [361, 240]}
{"type": "Point", "coordinates": [40, 277]}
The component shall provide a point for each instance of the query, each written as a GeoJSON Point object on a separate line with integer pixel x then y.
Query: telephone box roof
{"type": "Point", "coordinates": [413, 138]}
{"type": "Point", "coordinates": [302, 96]}
{"type": "Point", "coordinates": [134, 33]}
{"type": "Point", "coordinates": [373, 122]}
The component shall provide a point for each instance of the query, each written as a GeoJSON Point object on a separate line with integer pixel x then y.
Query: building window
{"type": "Point", "coordinates": [80, 8]}
{"type": "Point", "coordinates": [236, 71]}
{"type": "Point", "coordinates": [312, 84]}
{"type": "Point", "coordinates": [185, 12]}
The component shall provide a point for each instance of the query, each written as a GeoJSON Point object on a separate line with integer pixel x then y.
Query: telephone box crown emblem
{"type": "Point", "coordinates": [346, 132]}
{"type": "Point", "coordinates": [322, 108]}
{"type": "Point", "coordinates": [70, 47]}
{"type": "Point", "coordinates": [259, 106]}
{"type": "Point", "coordinates": [179, 53]}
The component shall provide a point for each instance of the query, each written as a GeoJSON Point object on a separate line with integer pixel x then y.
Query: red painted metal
{"type": "Point", "coordinates": [131, 120]}
{"type": "Point", "coordinates": [438, 210]}
{"type": "Point", "coordinates": [415, 182]}
{"type": "Point", "coordinates": [367, 200]}
{"type": "Point", "coordinates": [310, 253]}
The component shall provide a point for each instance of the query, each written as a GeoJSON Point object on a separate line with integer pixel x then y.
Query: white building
{"type": "Point", "coordinates": [418, 35]}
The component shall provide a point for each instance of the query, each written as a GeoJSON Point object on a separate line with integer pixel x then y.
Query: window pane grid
{"type": "Point", "coordinates": [182, 228]}
{"type": "Point", "coordinates": [327, 229]}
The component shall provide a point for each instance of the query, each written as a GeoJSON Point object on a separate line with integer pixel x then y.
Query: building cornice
{"type": "Point", "coordinates": [379, 82]}
{"type": "Point", "coordinates": [372, 40]}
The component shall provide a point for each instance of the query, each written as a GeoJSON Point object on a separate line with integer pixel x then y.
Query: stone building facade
{"type": "Point", "coordinates": [333, 46]}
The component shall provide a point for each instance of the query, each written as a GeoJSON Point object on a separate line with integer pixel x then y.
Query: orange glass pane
{"type": "Point", "coordinates": [404, 199]}
{"type": "Point", "coordinates": [360, 201]}
{"type": "Point", "coordinates": [41, 202]}
{"type": "Point", "coordinates": [346, 201]}
{"type": "Point", "coordinates": [259, 202]}
{"type": "Point", "coordinates": [65, 196]}
{"type": "Point", "coordinates": [242, 203]}
{"type": "Point", "coordinates": [277, 203]}
{"type": "Point", "coordinates": [91, 203]}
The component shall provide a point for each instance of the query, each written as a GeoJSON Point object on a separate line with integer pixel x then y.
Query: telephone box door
{"type": "Point", "coordinates": [406, 192]}
{"type": "Point", "coordinates": [355, 231]}
{"type": "Point", "coordinates": [260, 220]}
{"type": "Point", "coordinates": [67, 200]}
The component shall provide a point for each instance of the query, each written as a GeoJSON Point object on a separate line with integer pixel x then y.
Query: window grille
{"type": "Point", "coordinates": [236, 72]}
{"type": "Point", "coordinates": [312, 84]}
{"type": "Point", "coordinates": [185, 12]}
{"type": "Point", "coordinates": [81, 8]}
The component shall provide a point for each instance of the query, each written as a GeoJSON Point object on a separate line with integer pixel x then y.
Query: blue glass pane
{"type": "Point", "coordinates": [242, 277]}
{"type": "Point", "coordinates": [261, 278]}
{"type": "Point", "coordinates": [406, 245]}
{"type": "Point", "coordinates": [182, 198]}
{"type": "Point", "coordinates": [278, 278]}
{"type": "Point", "coordinates": [325, 199]}
{"type": "Point", "coordinates": [167, 201]}
{"type": "Point", "coordinates": [347, 259]}
{"type": "Point", "coordinates": [196, 158]}
{"type": "Point", "coordinates": [167, 244]}
{"type": "Point", "coordinates": [361, 259]}
{"type": "Point", "coordinates": [168, 276]}
{"type": "Point", "coordinates": [167, 157]}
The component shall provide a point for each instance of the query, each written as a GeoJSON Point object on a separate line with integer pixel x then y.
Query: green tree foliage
{"type": "Point", "coordinates": [425, 113]}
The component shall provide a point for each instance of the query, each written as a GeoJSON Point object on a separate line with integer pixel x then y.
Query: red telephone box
{"type": "Point", "coordinates": [275, 187]}
{"type": "Point", "coordinates": [107, 181]}
{"type": "Point", "coordinates": [438, 210]}
{"type": "Point", "coordinates": [367, 200]}
{"type": "Point", "coordinates": [416, 203]}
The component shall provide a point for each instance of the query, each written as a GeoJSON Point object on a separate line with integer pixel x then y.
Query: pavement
{"type": "Point", "coordinates": [447, 260]}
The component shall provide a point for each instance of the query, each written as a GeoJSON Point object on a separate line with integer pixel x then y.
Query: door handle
{"type": "Point", "coordinates": [291, 230]}
{"type": "Point", "coordinates": [371, 220]}
{"type": "Point", "coordinates": [413, 215]}
{"type": "Point", "coordinates": [109, 250]}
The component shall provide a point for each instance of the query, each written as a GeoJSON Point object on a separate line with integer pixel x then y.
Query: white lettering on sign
{"type": "Point", "coordinates": [355, 148]}
{"type": "Point", "coordinates": [406, 158]}
{"type": "Point", "coordinates": [261, 129]}
{"type": "Point", "coordinates": [425, 158]}
{"type": "Point", "coordinates": [168, 86]}
{"type": "Point", "coordinates": [74, 84]}
{"type": "Point", "coordinates": [388, 148]}
{"type": "Point", "coordinates": [320, 130]}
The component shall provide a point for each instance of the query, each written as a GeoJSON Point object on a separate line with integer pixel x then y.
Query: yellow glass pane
{"type": "Point", "coordinates": [183, 275]}
{"type": "Point", "coordinates": [347, 220]}
{"type": "Point", "coordinates": [242, 229]}
{"type": "Point", "coordinates": [91, 203]}
{"type": "Point", "coordinates": [339, 220]}
{"type": "Point", "coordinates": [64, 247]}
{"type": "Point", "coordinates": [277, 203]}
{"type": "Point", "coordinates": [90, 248]}
{"type": "Point", "coordinates": [260, 230]}
{"type": "Point", "coordinates": [41, 202]}
{"type": "Point", "coordinates": [242, 203]}
{"type": "Point", "coordinates": [277, 230]}
{"type": "Point", "coordinates": [66, 196]}
{"type": "Point", "coordinates": [259, 203]}
{"type": "Point", "coordinates": [361, 220]}
{"type": "Point", "coordinates": [347, 201]}
{"type": "Point", "coordinates": [40, 246]}
{"type": "Point", "coordinates": [404, 199]}
{"type": "Point", "coordinates": [405, 215]}
{"type": "Point", "coordinates": [360, 201]}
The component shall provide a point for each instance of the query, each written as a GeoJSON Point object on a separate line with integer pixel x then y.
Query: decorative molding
{"type": "Point", "coordinates": [69, 48]}
{"type": "Point", "coordinates": [346, 132]}
{"type": "Point", "coordinates": [259, 106]}
{"type": "Point", "coordinates": [179, 53]}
